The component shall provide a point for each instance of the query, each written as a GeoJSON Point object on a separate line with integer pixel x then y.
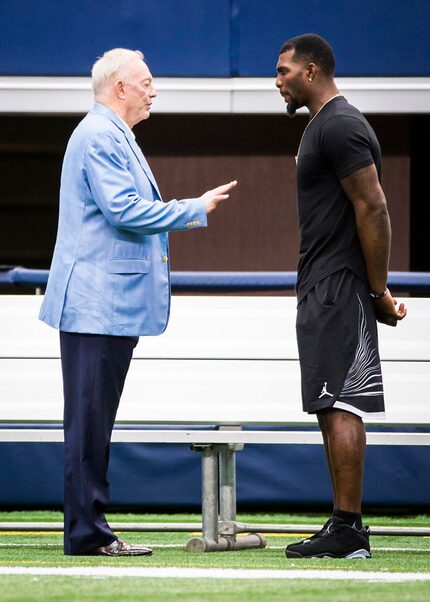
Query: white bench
{"type": "Point", "coordinates": [229, 361]}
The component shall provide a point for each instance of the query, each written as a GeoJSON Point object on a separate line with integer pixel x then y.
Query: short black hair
{"type": "Point", "coordinates": [311, 48]}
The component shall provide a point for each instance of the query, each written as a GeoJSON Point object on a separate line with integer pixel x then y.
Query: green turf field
{"type": "Point", "coordinates": [43, 550]}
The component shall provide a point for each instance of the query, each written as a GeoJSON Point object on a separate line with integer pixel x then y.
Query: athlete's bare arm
{"type": "Point", "coordinates": [374, 230]}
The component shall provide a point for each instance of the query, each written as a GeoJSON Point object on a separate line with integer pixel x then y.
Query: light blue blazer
{"type": "Point", "coordinates": [110, 269]}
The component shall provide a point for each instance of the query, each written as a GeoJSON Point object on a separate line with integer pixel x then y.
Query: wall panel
{"type": "Point", "coordinates": [65, 38]}
{"type": "Point", "coordinates": [370, 38]}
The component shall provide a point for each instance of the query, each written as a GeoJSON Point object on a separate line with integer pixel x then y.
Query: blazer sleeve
{"type": "Point", "coordinates": [115, 192]}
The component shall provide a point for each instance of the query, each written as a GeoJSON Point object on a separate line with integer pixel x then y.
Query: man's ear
{"type": "Point", "coordinates": [118, 88]}
{"type": "Point", "coordinates": [311, 71]}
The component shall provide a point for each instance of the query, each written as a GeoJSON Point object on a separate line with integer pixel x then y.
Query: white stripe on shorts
{"type": "Point", "coordinates": [341, 405]}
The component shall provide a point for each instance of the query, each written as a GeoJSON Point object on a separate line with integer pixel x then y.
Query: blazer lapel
{"type": "Point", "coordinates": [99, 108]}
{"type": "Point", "coordinates": [141, 158]}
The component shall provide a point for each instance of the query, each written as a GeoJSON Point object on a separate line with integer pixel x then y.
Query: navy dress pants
{"type": "Point", "coordinates": [94, 370]}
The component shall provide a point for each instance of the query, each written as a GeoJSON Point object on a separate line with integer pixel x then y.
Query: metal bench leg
{"type": "Point", "coordinates": [209, 541]}
{"type": "Point", "coordinates": [227, 488]}
{"type": "Point", "coordinates": [227, 482]}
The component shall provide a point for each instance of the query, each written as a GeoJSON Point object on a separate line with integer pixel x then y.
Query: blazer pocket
{"type": "Point", "coordinates": [127, 266]}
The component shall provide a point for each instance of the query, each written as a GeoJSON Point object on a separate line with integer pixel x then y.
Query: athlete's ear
{"type": "Point", "coordinates": [310, 71]}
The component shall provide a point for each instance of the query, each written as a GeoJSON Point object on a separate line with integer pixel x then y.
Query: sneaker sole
{"type": "Point", "coordinates": [362, 553]}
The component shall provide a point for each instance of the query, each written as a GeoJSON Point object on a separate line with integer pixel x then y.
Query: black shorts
{"type": "Point", "coordinates": [338, 347]}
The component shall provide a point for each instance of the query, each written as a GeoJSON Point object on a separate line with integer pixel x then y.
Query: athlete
{"type": "Point", "coordinates": [345, 239]}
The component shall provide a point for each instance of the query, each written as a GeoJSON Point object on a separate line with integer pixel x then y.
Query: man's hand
{"type": "Point", "coordinates": [213, 197]}
{"type": "Point", "coordinates": [386, 311]}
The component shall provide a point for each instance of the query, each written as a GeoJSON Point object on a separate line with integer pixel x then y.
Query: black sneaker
{"type": "Point", "coordinates": [318, 533]}
{"type": "Point", "coordinates": [335, 540]}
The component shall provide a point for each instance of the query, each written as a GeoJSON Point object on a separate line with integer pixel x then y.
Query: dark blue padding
{"type": "Point", "coordinates": [183, 38]}
{"type": "Point", "coordinates": [369, 38]}
{"type": "Point", "coordinates": [224, 281]}
{"type": "Point", "coordinates": [212, 38]}
{"type": "Point", "coordinates": [168, 476]}
{"type": "Point", "coordinates": [119, 426]}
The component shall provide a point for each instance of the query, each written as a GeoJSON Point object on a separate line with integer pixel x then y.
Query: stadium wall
{"type": "Point", "coordinates": [212, 38]}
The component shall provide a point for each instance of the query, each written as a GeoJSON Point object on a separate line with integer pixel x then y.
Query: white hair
{"type": "Point", "coordinates": [111, 64]}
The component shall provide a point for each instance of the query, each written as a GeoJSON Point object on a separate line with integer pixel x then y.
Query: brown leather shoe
{"type": "Point", "coordinates": [120, 548]}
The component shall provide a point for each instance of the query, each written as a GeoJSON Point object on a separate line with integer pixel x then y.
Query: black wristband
{"type": "Point", "coordinates": [378, 295]}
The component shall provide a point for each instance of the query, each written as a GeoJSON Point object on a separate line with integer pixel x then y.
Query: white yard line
{"type": "Point", "coordinates": [199, 573]}
{"type": "Point", "coordinates": [400, 549]}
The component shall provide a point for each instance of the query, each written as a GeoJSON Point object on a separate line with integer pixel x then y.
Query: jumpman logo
{"type": "Point", "coordinates": [324, 391]}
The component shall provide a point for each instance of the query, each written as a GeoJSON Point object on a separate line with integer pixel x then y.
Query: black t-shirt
{"type": "Point", "coordinates": [336, 143]}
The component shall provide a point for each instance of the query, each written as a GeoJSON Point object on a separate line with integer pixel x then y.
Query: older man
{"type": "Point", "coordinates": [109, 282]}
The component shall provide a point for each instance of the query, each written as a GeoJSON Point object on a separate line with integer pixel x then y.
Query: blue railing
{"type": "Point", "coordinates": [224, 281]}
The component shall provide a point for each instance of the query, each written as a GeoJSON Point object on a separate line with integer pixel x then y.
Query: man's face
{"type": "Point", "coordinates": [291, 81]}
{"type": "Point", "coordinates": [138, 91]}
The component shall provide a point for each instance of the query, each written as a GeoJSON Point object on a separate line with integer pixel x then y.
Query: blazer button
{"type": "Point", "coordinates": [164, 259]}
